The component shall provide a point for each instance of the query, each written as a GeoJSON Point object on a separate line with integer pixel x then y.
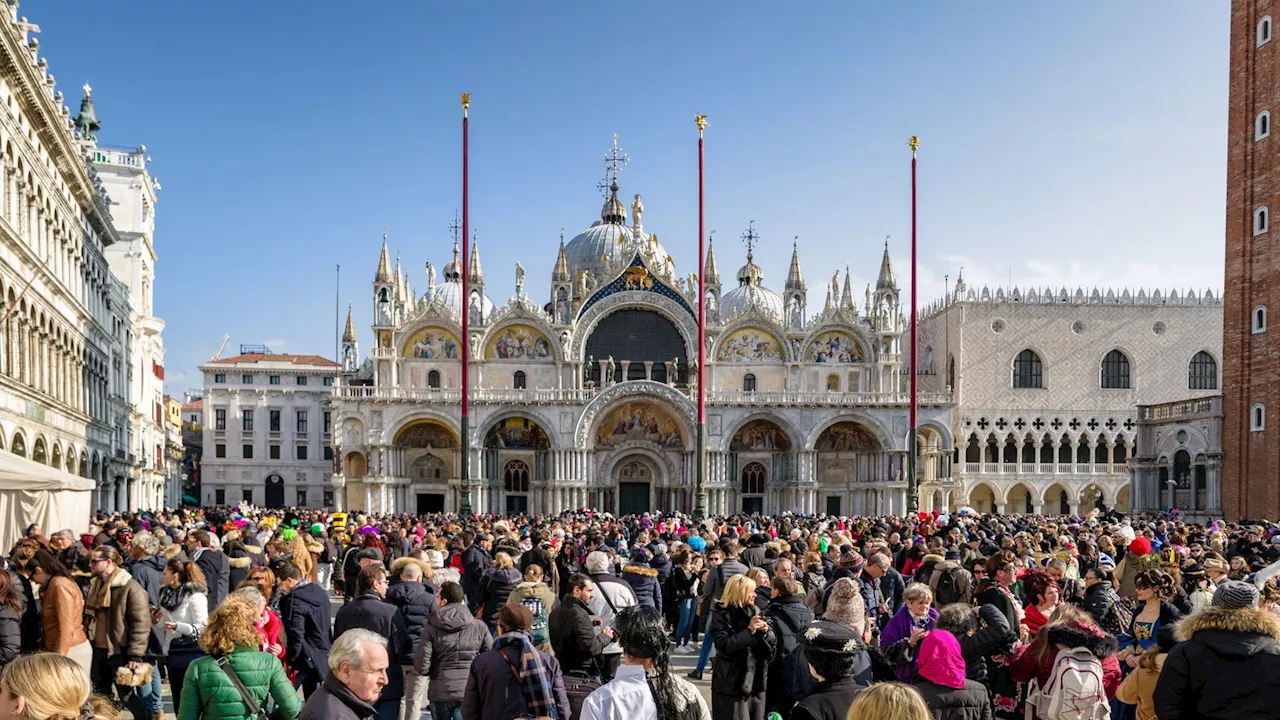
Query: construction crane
{"type": "Point", "coordinates": [223, 346]}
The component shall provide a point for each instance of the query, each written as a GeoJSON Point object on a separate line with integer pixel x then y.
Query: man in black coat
{"type": "Point", "coordinates": [475, 561]}
{"type": "Point", "coordinates": [414, 603]}
{"type": "Point", "coordinates": [574, 639]}
{"type": "Point", "coordinates": [833, 651]}
{"type": "Point", "coordinates": [354, 682]}
{"type": "Point", "coordinates": [753, 556]}
{"type": "Point", "coordinates": [147, 568]}
{"type": "Point", "coordinates": [369, 611]}
{"type": "Point", "coordinates": [1226, 663]}
{"type": "Point", "coordinates": [214, 564]}
{"type": "Point", "coordinates": [304, 612]}
{"type": "Point", "coordinates": [789, 678]}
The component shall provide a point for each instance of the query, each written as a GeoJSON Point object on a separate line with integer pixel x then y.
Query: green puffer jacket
{"type": "Point", "coordinates": [208, 693]}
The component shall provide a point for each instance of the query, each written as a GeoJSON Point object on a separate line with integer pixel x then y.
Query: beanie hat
{"type": "Point", "coordinates": [1140, 546]}
{"type": "Point", "coordinates": [851, 560]}
{"type": "Point", "coordinates": [845, 605]}
{"type": "Point", "coordinates": [1235, 595]}
{"type": "Point", "coordinates": [317, 529]}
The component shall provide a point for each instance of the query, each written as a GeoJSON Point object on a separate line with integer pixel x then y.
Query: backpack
{"type": "Point", "coordinates": [538, 634]}
{"type": "Point", "coordinates": [1074, 691]}
{"type": "Point", "coordinates": [950, 583]}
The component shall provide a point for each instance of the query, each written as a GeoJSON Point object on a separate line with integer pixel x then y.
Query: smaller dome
{"type": "Point", "coordinates": [750, 273]}
{"type": "Point", "coordinates": [747, 296]}
{"type": "Point", "coordinates": [453, 269]}
{"type": "Point", "coordinates": [449, 294]}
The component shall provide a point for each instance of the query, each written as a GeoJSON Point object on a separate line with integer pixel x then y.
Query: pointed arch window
{"type": "Point", "coordinates": [1203, 372]}
{"type": "Point", "coordinates": [515, 477]}
{"type": "Point", "coordinates": [1264, 30]}
{"type": "Point", "coordinates": [1262, 125]}
{"type": "Point", "coordinates": [433, 379]}
{"type": "Point", "coordinates": [1259, 319]}
{"type": "Point", "coordinates": [1261, 220]}
{"type": "Point", "coordinates": [518, 380]}
{"type": "Point", "coordinates": [753, 479]}
{"type": "Point", "coordinates": [1028, 371]}
{"type": "Point", "coordinates": [1115, 371]}
{"type": "Point", "coordinates": [749, 383]}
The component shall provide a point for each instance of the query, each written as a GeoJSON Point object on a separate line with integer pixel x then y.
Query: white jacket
{"type": "Point", "coordinates": [189, 617]}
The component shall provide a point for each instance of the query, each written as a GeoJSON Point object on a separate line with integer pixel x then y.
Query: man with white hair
{"type": "Point", "coordinates": [611, 595]}
{"type": "Point", "coordinates": [357, 673]}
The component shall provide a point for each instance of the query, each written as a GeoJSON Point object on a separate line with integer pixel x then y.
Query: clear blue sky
{"type": "Point", "coordinates": [1076, 144]}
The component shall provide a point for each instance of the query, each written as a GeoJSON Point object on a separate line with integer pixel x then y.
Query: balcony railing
{"type": "Point", "coordinates": [1003, 468]}
{"type": "Point", "coordinates": [577, 396]}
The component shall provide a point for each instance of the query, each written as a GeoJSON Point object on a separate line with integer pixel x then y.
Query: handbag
{"type": "Point", "coordinates": [255, 711]}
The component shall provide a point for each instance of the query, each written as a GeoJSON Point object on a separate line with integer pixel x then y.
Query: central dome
{"type": "Point", "coordinates": [609, 242]}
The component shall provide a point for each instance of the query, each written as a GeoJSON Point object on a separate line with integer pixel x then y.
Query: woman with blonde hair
{"type": "Point", "coordinates": [744, 645]}
{"type": "Point", "coordinates": [48, 685]}
{"type": "Point", "coordinates": [890, 700]}
{"type": "Point", "coordinates": [302, 557]}
{"type": "Point", "coordinates": [496, 587]}
{"type": "Point", "coordinates": [231, 641]}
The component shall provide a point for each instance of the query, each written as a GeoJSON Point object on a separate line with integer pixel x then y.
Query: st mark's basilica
{"type": "Point", "coordinates": [589, 400]}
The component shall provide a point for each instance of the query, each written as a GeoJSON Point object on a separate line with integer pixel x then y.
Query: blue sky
{"type": "Point", "coordinates": [1079, 144]}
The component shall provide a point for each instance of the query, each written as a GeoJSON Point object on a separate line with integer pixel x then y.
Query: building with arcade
{"type": "Point", "coordinates": [588, 399]}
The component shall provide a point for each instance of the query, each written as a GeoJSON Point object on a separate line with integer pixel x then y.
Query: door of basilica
{"type": "Point", "coordinates": [275, 491]}
{"type": "Point", "coordinates": [429, 503]}
{"type": "Point", "coordinates": [634, 481]}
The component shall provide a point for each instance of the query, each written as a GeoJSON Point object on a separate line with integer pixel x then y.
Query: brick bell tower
{"type": "Point", "coordinates": [1250, 343]}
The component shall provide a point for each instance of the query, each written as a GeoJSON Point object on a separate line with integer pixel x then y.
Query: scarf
{"type": "Point", "coordinates": [171, 597]}
{"type": "Point", "coordinates": [535, 686]}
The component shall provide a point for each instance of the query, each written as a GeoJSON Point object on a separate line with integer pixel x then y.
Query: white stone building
{"type": "Point", "coordinates": [61, 309]}
{"type": "Point", "coordinates": [267, 432]}
{"type": "Point", "coordinates": [1047, 384]}
{"type": "Point", "coordinates": [588, 400]}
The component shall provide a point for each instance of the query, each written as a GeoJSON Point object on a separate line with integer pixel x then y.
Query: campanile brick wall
{"type": "Point", "coordinates": [1251, 363]}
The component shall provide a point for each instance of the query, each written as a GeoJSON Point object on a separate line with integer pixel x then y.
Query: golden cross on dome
{"type": "Point", "coordinates": [87, 89]}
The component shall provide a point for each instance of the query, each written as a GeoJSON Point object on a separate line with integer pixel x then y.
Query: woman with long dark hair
{"type": "Point", "coordinates": [645, 662]}
{"type": "Point", "coordinates": [10, 620]}
{"type": "Point", "coordinates": [184, 610]}
{"type": "Point", "coordinates": [61, 609]}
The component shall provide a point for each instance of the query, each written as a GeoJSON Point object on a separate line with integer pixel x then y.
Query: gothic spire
{"type": "Point", "coordinates": [795, 281]}
{"type": "Point", "coordinates": [401, 290]}
{"type": "Point", "coordinates": [561, 272]}
{"type": "Point", "coordinates": [846, 299]}
{"type": "Point", "coordinates": [477, 274]}
{"type": "Point", "coordinates": [349, 334]}
{"type": "Point", "coordinates": [826, 307]}
{"type": "Point", "coordinates": [384, 263]}
{"type": "Point", "coordinates": [886, 281]}
{"type": "Point", "coordinates": [711, 272]}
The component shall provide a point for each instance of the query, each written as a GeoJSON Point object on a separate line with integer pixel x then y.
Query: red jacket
{"type": "Point", "coordinates": [1103, 646]}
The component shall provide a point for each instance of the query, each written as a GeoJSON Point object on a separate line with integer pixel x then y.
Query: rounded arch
{"type": "Point", "coordinates": [879, 431]}
{"type": "Point", "coordinates": [787, 428]}
{"type": "Point", "coordinates": [824, 344]}
{"type": "Point", "coordinates": [55, 455]}
{"type": "Point", "coordinates": [1122, 499]}
{"type": "Point", "coordinates": [640, 420]}
{"type": "Point", "coordinates": [660, 463]}
{"type": "Point", "coordinates": [1091, 495]}
{"type": "Point", "coordinates": [982, 497]}
{"type": "Point", "coordinates": [430, 341]}
{"type": "Point", "coordinates": [669, 309]}
{"type": "Point", "coordinates": [39, 451]}
{"type": "Point", "coordinates": [429, 467]}
{"type": "Point", "coordinates": [509, 338]}
{"type": "Point", "coordinates": [532, 414]}
{"type": "Point", "coordinates": [354, 465]}
{"type": "Point", "coordinates": [516, 431]}
{"type": "Point", "coordinates": [1057, 499]}
{"type": "Point", "coordinates": [423, 430]}
{"type": "Point", "coordinates": [1020, 499]}
{"type": "Point", "coordinates": [84, 464]}
{"type": "Point", "coordinates": [750, 341]}
{"type": "Point", "coordinates": [603, 402]}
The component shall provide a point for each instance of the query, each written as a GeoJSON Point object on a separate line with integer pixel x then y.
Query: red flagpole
{"type": "Point", "coordinates": [465, 506]}
{"type": "Point", "coordinates": [913, 500]}
{"type": "Point", "coordinates": [700, 487]}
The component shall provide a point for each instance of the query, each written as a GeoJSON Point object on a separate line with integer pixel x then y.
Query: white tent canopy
{"type": "Point", "coordinates": [52, 498]}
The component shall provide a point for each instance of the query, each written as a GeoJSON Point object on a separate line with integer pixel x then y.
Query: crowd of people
{"type": "Point", "coordinates": [955, 616]}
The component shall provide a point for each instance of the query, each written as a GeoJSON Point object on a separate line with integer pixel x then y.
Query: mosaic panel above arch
{"type": "Point", "coordinates": [426, 434]}
{"type": "Point", "coordinates": [847, 436]}
{"type": "Point", "coordinates": [748, 345]}
{"type": "Point", "coordinates": [760, 435]}
{"type": "Point", "coordinates": [835, 346]}
{"type": "Point", "coordinates": [518, 342]}
{"type": "Point", "coordinates": [519, 433]}
{"type": "Point", "coordinates": [432, 343]}
{"type": "Point", "coordinates": [639, 421]}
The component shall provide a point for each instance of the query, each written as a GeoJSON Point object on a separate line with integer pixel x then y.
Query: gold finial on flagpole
{"type": "Point", "coordinates": [466, 102]}
{"type": "Point", "coordinates": [701, 121]}
{"type": "Point", "coordinates": [914, 143]}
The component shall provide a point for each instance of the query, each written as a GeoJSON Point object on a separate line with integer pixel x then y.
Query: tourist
{"type": "Point", "coordinates": [1002, 571]}
{"type": "Point", "coordinates": [304, 612]}
{"type": "Point", "coordinates": [643, 579]}
{"type": "Point", "coordinates": [514, 679]}
{"type": "Point", "coordinates": [723, 565]}
{"type": "Point", "coordinates": [890, 700]}
{"type": "Point", "coordinates": [213, 563]}
{"type": "Point", "coordinates": [184, 610]}
{"type": "Point", "coordinates": [941, 681]}
{"type": "Point", "coordinates": [48, 686]}
{"type": "Point", "coordinates": [645, 688]}
{"type": "Point", "coordinates": [1043, 595]}
{"type": "Point", "coordinates": [536, 595]}
{"type": "Point", "coordinates": [61, 609]}
{"type": "Point", "coordinates": [1139, 687]}
{"type": "Point", "coordinates": [10, 620]}
{"type": "Point", "coordinates": [1152, 589]}
{"type": "Point", "coordinates": [609, 596]}
{"type": "Point", "coordinates": [357, 674]}
{"type": "Point", "coordinates": [744, 645]}
{"type": "Point", "coordinates": [414, 601]}
{"type": "Point", "coordinates": [451, 639]}
{"type": "Point", "coordinates": [369, 610]}
{"type": "Point", "coordinates": [231, 643]}
{"type": "Point", "coordinates": [495, 587]}
{"type": "Point", "coordinates": [1069, 630]}
{"type": "Point", "coordinates": [982, 632]}
{"type": "Point", "coordinates": [1100, 599]}
{"type": "Point", "coordinates": [683, 584]}
{"type": "Point", "coordinates": [574, 637]}
{"type": "Point", "coordinates": [476, 561]}
{"type": "Point", "coordinates": [119, 617]}
{"type": "Point", "coordinates": [902, 635]}
{"type": "Point", "coordinates": [789, 678]}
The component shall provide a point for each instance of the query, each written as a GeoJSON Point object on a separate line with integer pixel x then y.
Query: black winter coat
{"type": "Point", "coordinates": [240, 562]}
{"type": "Point", "coordinates": [753, 556]}
{"type": "Point", "coordinates": [1100, 602]}
{"type": "Point", "coordinates": [415, 602]}
{"type": "Point", "coordinates": [892, 587]}
{"type": "Point", "coordinates": [1225, 665]}
{"type": "Point", "coordinates": [495, 587]}
{"type": "Point", "coordinates": [217, 575]}
{"type": "Point", "coordinates": [475, 561]}
{"type": "Point", "coordinates": [947, 703]}
{"type": "Point", "coordinates": [789, 678]}
{"type": "Point", "coordinates": [644, 581]}
{"type": "Point", "coordinates": [992, 636]}
{"type": "Point", "coordinates": [369, 612]}
{"type": "Point", "coordinates": [10, 635]}
{"type": "Point", "coordinates": [493, 693]}
{"type": "Point", "coordinates": [334, 701]}
{"type": "Point", "coordinates": [451, 640]}
{"type": "Point", "coordinates": [662, 564]}
{"type": "Point", "coordinates": [828, 701]}
{"type": "Point", "coordinates": [574, 639]}
{"type": "Point", "coordinates": [304, 612]}
{"type": "Point", "coordinates": [31, 620]}
{"type": "Point", "coordinates": [742, 661]}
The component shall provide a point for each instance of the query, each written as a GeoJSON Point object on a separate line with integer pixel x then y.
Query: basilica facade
{"type": "Point", "coordinates": [589, 399]}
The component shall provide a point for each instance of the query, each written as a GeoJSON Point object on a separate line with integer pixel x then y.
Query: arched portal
{"type": "Point", "coordinates": [1182, 497]}
{"type": "Point", "coordinates": [851, 463]}
{"type": "Point", "coordinates": [516, 452]}
{"type": "Point", "coordinates": [760, 457]}
{"type": "Point", "coordinates": [631, 337]}
{"type": "Point", "coordinates": [427, 454]}
{"type": "Point", "coordinates": [635, 477]}
{"type": "Point", "coordinates": [982, 498]}
{"type": "Point", "coordinates": [1018, 500]}
{"type": "Point", "coordinates": [274, 496]}
{"type": "Point", "coordinates": [1056, 500]}
{"type": "Point", "coordinates": [1122, 499]}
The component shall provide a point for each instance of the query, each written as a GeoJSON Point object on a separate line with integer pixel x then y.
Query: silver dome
{"type": "Point", "coordinates": [602, 239]}
{"type": "Point", "coordinates": [746, 296]}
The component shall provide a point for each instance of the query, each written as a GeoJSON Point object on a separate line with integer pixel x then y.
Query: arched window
{"type": "Point", "coordinates": [1203, 372]}
{"type": "Point", "coordinates": [1264, 30]}
{"type": "Point", "coordinates": [1260, 319]}
{"type": "Point", "coordinates": [1262, 125]}
{"type": "Point", "coordinates": [427, 467]}
{"type": "Point", "coordinates": [433, 379]}
{"type": "Point", "coordinates": [515, 477]}
{"type": "Point", "coordinates": [748, 383]}
{"type": "Point", "coordinates": [1260, 218]}
{"type": "Point", "coordinates": [833, 383]}
{"type": "Point", "coordinates": [1257, 417]}
{"type": "Point", "coordinates": [518, 380]}
{"type": "Point", "coordinates": [1115, 371]}
{"type": "Point", "coordinates": [1027, 370]}
{"type": "Point", "coordinates": [753, 479]}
